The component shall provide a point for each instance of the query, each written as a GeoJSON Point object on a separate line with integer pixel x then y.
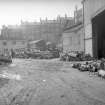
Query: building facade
{"type": "Point", "coordinates": [73, 39]}
{"type": "Point", "coordinates": [18, 37]}
{"type": "Point", "coordinates": [73, 36]}
{"type": "Point", "coordinates": [8, 45]}
{"type": "Point", "coordinates": [48, 30]}
{"type": "Point", "coordinates": [94, 19]}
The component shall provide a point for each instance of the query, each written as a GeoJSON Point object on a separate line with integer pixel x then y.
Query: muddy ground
{"type": "Point", "coordinates": [50, 82]}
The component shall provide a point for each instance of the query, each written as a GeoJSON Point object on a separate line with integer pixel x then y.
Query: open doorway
{"type": "Point", "coordinates": [98, 32]}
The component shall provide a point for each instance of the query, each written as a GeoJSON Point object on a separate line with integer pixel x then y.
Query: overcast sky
{"type": "Point", "coordinates": [13, 11]}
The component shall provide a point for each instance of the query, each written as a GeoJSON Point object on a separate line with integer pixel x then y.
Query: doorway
{"type": "Point", "coordinates": [98, 35]}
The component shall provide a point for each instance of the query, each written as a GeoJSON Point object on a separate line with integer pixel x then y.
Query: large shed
{"type": "Point", "coordinates": [94, 27]}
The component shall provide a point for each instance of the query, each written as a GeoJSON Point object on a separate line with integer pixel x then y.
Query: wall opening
{"type": "Point", "coordinates": [98, 35]}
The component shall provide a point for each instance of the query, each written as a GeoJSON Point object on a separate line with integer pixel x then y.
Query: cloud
{"type": "Point", "coordinates": [40, 0]}
{"type": "Point", "coordinates": [12, 11]}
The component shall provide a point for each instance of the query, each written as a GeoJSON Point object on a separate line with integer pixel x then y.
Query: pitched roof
{"type": "Point", "coordinates": [73, 28]}
{"type": "Point", "coordinates": [36, 41]}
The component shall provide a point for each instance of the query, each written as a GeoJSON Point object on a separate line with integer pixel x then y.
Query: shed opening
{"type": "Point", "coordinates": [98, 35]}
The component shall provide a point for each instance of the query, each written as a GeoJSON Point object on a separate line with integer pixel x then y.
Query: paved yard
{"type": "Point", "coordinates": [50, 82]}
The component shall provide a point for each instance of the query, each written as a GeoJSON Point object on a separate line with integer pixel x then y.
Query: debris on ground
{"type": "Point", "coordinates": [101, 73]}
{"type": "Point", "coordinates": [5, 60]}
{"type": "Point", "coordinates": [3, 81]}
{"type": "Point", "coordinates": [92, 66]}
{"type": "Point", "coordinates": [75, 56]}
{"type": "Point", "coordinates": [44, 83]}
{"type": "Point", "coordinates": [10, 76]}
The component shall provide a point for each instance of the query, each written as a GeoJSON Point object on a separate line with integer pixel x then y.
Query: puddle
{"type": "Point", "coordinates": [3, 81]}
{"type": "Point", "coordinates": [12, 65]}
{"type": "Point", "coordinates": [44, 80]}
{"type": "Point", "coordinates": [10, 76]}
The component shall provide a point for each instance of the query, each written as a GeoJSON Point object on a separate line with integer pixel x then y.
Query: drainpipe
{"type": "Point", "coordinates": [62, 43]}
{"type": "Point", "coordinates": [83, 24]}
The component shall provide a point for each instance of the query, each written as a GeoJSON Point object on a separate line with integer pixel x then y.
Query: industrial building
{"type": "Point", "coordinates": [73, 36]}
{"type": "Point", "coordinates": [19, 36]}
{"type": "Point", "coordinates": [48, 30]}
{"type": "Point", "coordinates": [94, 27]}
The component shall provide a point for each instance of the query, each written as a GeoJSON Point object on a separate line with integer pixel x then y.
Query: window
{"type": "Point", "coordinates": [79, 40]}
{"type": "Point", "coordinates": [70, 40]}
{"type": "Point", "coordinates": [14, 42]}
{"type": "Point", "coordinates": [4, 43]}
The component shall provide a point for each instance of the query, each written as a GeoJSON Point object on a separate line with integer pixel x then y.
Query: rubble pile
{"type": "Point", "coordinates": [19, 54]}
{"type": "Point", "coordinates": [36, 54]}
{"type": "Point", "coordinates": [41, 55]}
{"type": "Point", "coordinates": [101, 73]}
{"type": "Point", "coordinates": [75, 56]}
{"type": "Point", "coordinates": [97, 66]}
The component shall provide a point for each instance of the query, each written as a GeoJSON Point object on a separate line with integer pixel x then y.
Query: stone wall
{"type": "Point", "coordinates": [73, 39]}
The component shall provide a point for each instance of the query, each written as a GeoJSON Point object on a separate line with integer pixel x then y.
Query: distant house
{"type": "Point", "coordinates": [37, 45]}
{"type": "Point", "coordinates": [8, 44]}
{"type": "Point", "coordinates": [73, 38]}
